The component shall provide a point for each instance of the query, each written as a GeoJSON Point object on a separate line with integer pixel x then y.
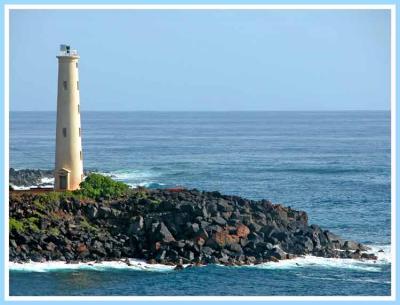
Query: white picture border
{"type": "Point", "coordinates": [390, 7]}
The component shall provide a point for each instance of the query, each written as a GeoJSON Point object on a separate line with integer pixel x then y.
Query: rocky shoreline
{"type": "Point", "coordinates": [29, 177]}
{"type": "Point", "coordinates": [32, 177]}
{"type": "Point", "coordinates": [171, 227]}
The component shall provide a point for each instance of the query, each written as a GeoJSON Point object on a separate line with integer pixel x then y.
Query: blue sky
{"type": "Point", "coordinates": [205, 60]}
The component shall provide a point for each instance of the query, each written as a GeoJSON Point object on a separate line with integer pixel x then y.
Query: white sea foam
{"type": "Point", "coordinates": [21, 187]}
{"type": "Point", "coordinates": [44, 182]}
{"type": "Point", "coordinates": [384, 258]}
{"type": "Point", "coordinates": [47, 181]}
{"type": "Point", "coordinates": [135, 264]}
{"type": "Point", "coordinates": [139, 265]}
{"type": "Point", "coordinates": [135, 178]}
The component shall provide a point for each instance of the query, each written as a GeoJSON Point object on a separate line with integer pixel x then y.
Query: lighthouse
{"type": "Point", "coordinates": [68, 172]}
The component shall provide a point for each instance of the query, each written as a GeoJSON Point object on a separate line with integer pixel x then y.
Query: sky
{"type": "Point", "coordinates": [201, 60]}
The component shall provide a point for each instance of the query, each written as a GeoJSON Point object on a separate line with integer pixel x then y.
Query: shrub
{"type": "Point", "coordinates": [27, 224]}
{"type": "Point", "coordinates": [15, 225]}
{"type": "Point", "coordinates": [32, 224]}
{"type": "Point", "coordinates": [98, 186]}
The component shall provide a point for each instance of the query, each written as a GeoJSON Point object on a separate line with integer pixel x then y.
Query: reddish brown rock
{"type": "Point", "coordinates": [223, 238]}
{"type": "Point", "coordinates": [242, 231]}
{"type": "Point", "coordinates": [81, 248]}
{"type": "Point", "coordinates": [157, 246]}
{"type": "Point", "coordinates": [200, 241]}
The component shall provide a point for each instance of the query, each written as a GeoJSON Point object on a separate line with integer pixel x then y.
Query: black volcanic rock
{"type": "Point", "coordinates": [166, 226]}
{"type": "Point", "coordinates": [28, 177]}
{"type": "Point", "coordinates": [32, 177]}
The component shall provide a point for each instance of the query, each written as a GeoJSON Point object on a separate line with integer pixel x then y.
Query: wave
{"type": "Point", "coordinates": [134, 264]}
{"type": "Point", "coordinates": [319, 170]}
{"type": "Point", "coordinates": [22, 187]}
{"type": "Point", "coordinates": [135, 178]}
{"type": "Point", "coordinates": [45, 182]}
{"type": "Point", "coordinates": [384, 258]}
{"type": "Point", "coordinates": [355, 280]}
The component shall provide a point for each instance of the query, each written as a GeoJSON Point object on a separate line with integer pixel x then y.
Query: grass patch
{"type": "Point", "coordinates": [38, 205]}
{"type": "Point", "coordinates": [86, 225]}
{"type": "Point", "coordinates": [28, 224]}
{"type": "Point", "coordinates": [32, 224]}
{"type": "Point", "coordinates": [54, 231]}
{"type": "Point", "coordinates": [52, 197]}
{"type": "Point", "coordinates": [16, 225]}
{"type": "Point", "coordinates": [155, 201]}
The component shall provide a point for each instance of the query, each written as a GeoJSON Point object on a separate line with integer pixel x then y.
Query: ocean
{"type": "Point", "coordinates": [333, 165]}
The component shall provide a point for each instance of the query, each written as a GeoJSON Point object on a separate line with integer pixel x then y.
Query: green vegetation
{"type": "Point", "coordinates": [16, 225]}
{"type": "Point", "coordinates": [56, 197]}
{"type": "Point", "coordinates": [24, 225]}
{"type": "Point", "coordinates": [95, 186]}
{"type": "Point", "coordinates": [48, 201]}
{"type": "Point", "coordinates": [54, 231]}
{"type": "Point", "coordinates": [155, 201]}
{"type": "Point", "coordinates": [32, 224]}
{"type": "Point", "coordinates": [47, 205]}
{"type": "Point", "coordinates": [141, 192]}
{"type": "Point", "coordinates": [38, 205]}
{"type": "Point", "coordinates": [98, 186]}
{"type": "Point", "coordinates": [86, 225]}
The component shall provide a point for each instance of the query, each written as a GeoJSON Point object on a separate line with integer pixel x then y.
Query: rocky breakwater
{"type": "Point", "coordinates": [168, 227]}
{"type": "Point", "coordinates": [29, 177]}
{"type": "Point", "coordinates": [34, 177]}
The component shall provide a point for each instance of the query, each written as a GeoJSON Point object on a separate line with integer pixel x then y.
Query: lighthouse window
{"type": "Point", "coordinates": [77, 85]}
{"type": "Point", "coordinates": [77, 65]}
{"type": "Point", "coordinates": [65, 85]}
{"type": "Point", "coordinates": [80, 154]}
{"type": "Point", "coordinates": [79, 132]}
{"type": "Point", "coordinates": [79, 109]}
{"type": "Point", "coordinates": [65, 132]}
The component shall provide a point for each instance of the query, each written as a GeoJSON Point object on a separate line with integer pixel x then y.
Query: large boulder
{"type": "Point", "coordinates": [98, 248]}
{"type": "Point", "coordinates": [351, 245]}
{"type": "Point", "coordinates": [278, 253]}
{"type": "Point", "coordinates": [82, 250]}
{"type": "Point", "coordinates": [192, 229]}
{"type": "Point", "coordinates": [242, 230]}
{"type": "Point", "coordinates": [163, 234]}
{"type": "Point", "coordinates": [219, 220]}
{"type": "Point", "coordinates": [136, 225]}
{"type": "Point", "coordinates": [221, 239]}
{"type": "Point", "coordinates": [235, 248]}
{"type": "Point", "coordinates": [224, 206]}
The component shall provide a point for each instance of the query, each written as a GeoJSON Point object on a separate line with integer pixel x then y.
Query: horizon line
{"type": "Point", "coordinates": [309, 110]}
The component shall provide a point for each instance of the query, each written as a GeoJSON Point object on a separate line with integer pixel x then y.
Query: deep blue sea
{"type": "Point", "coordinates": [334, 165]}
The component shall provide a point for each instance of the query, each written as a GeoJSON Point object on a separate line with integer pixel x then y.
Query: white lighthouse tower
{"type": "Point", "coordinates": [68, 172]}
